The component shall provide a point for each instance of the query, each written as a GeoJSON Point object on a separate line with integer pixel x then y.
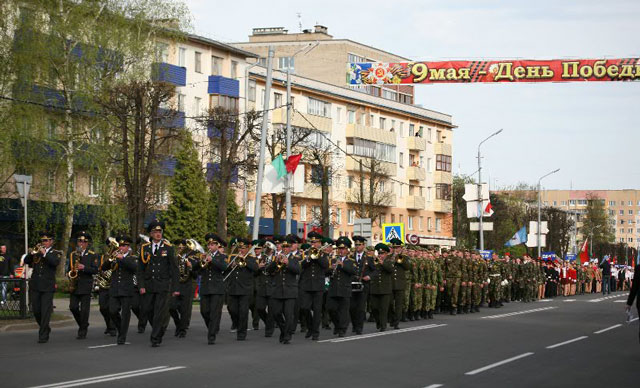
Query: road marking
{"type": "Point", "coordinates": [508, 360]}
{"type": "Point", "coordinates": [379, 334]}
{"type": "Point", "coordinates": [619, 301]}
{"type": "Point", "coordinates": [567, 342]}
{"type": "Point", "coordinates": [518, 313]}
{"type": "Point", "coordinates": [632, 320]}
{"type": "Point", "coordinates": [111, 377]}
{"type": "Point", "coordinates": [607, 329]}
{"type": "Point", "coordinates": [106, 346]}
{"type": "Point", "coordinates": [603, 298]}
{"type": "Point", "coordinates": [569, 300]}
{"type": "Point", "coordinates": [434, 386]}
{"type": "Point", "coordinates": [545, 300]}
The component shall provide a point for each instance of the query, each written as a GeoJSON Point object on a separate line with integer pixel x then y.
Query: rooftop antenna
{"type": "Point", "coordinates": [299, 20]}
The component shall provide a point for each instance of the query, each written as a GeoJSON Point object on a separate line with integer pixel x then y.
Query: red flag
{"type": "Point", "coordinates": [584, 252]}
{"type": "Point", "coordinates": [488, 210]}
{"type": "Point", "coordinates": [292, 163]}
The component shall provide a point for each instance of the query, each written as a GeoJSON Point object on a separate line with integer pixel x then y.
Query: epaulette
{"type": "Point", "coordinates": [91, 252]}
{"type": "Point", "coordinates": [166, 242]}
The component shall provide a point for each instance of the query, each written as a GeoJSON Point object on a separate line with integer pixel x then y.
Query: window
{"type": "Point", "coordinates": [371, 120]}
{"type": "Point", "coordinates": [339, 216]}
{"type": "Point", "coordinates": [439, 136]}
{"type": "Point", "coordinates": [582, 202]}
{"type": "Point", "coordinates": [572, 202]}
{"type": "Point", "coordinates": [400, 218]}
{"type": "Point", "coordinates": [630, 203]}
{"type": "Point", "coordinates": [612, 203]}
{"type": "Point", "coordinates": [182, 57]}
{"type": "Point", "coordinates": [317, 174]}
{"type": "Point", "coordinates": [630, 230]}
{"type": "Point", "coordinates": [383, 219]}
{"type": "Point", "coordinates": [285, 63]}
{"type": "Point", "coordinates": [555, 203]}
{"type": "Point", "coordinates": [316, 213]}
{"type": "Point", "coordinates": [612, 212]}
{"type": "Point", "coordinates": [410, 222]}
{"type": "Point", "coordinates": [229, 103]}
{"type": "Point", "coordinates": [429, 223]}
{"type": "Point", "coordinates": [319, 108]}
{"type": "Point", "coordinates": [161, 194]}
{"type": "Point", "coordinates": [630, 212]}
{"type": "Point", "coordinates": [412, 160]}
{"type": "Point", "coordinates": [181, 98]}
{"type": "Point", "coordinates": [621, 212]}
{"type": "Point", "coordinates": [197, 103]}
{"type": "Point", "coordinates": [383, 123]}
{"type": "Point", "coordinates": [389, 94]}
{"type": "Point", "coordinates": [351, 216]}
{"type": "Point", "coordinates": [393, 218]}
{"type": "Point", "coordinates": [303, 212]}
{"type": "Point", "coordinates": [381, 186]}
{"type": "Point", "coordinates": [621, 222]}
{"type": "Point", "coordinates": [429, 135]}
{"type": "Point", "coordinates": [393, 125]}
{"type": "Point", "coordinates": [400, 158]}
{"type": "Point", "coordinates": [251, 208]}
{"type": "Point", "coordinates": [350, 181]}
{"type": "Point", "coordinates": [420, 132]}
{"type": "Point", "coordinates": [411, 189]}
{"type": "Point", "coordinates": [546, 203]}
{"type": "Point", "coordinates": [621, 239]}
{"type": "Point", "coordinates": [401, 129]}
{"type": "Point", "coordinates": [162, 52]}
{"type": "Point", "coordinates": [252, 90]}
{"type": "Point", "coordinates": [354, 58]}
{"type": "Point", "coordinates": [443, 163]}
{"type": "Point", "coordinates": [351, 117]}
{"type": "Point", "coordinates": [438, 224]}
{"type": "Point", "coordinates": [234, 69]}
{"type": "Point", "coordinates": [372, 149]}
{"type": "Point", "coordinates": [277, 100]}
{"type": "Point", "coordinates": [563, 203]}
{"type": "Point", "coordinates": [443, 191]}
{"type": "Point", "coordinates": [621, 230]}
{"type": "Point", "coordinates": [630, 239]}
{"type": "Point", "coordinates": [420, 223]}
{"type": "Point", "coordinates": [216, 65]}
{"type": "Point", "coordinates": [412, 129]}
{"type": "Point", "coordinates": [198, 62]}
{"type": "Point", "coordinates": [339, 115]}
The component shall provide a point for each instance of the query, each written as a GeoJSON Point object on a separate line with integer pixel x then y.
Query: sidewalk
{"type": "Point", "coordinates": [61, 317]}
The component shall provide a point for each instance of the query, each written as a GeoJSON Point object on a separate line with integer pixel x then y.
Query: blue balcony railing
{"type": "Point", "coordinates": [224, 86]}
{"type": "Point", "coordinates": [213, 172]}
{"type": "Point", "coordinates": [171, 118]}
{"type": "Point", "coordinates": [165, 72]}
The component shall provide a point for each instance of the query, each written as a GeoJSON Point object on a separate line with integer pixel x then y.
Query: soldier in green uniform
{"type": "Point", "coordinates": [401, 266]}
{"type": "Point", "coordinates": [453, 265]}
{"type": "Point", "coordinates": [381, 284]}
{"type": "Point", "coordinates": [477, 269]}
{"type": "Point", "coordinates": [495, 277]}
{"type": "Point", "coordinates": [409, 291]}
{"type": "Point", "coordinates": [466, 283]}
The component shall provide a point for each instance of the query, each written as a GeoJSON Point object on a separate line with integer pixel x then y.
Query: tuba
{"type": "Point", "coordinates": [103, 279]}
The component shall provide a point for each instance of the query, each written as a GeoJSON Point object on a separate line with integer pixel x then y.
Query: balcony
{"type": "Point", "coordinates": [442, 177]}
{"type": "Point", "coordinates": [385, 199]}
{"type": "Point", "coordinates": [223, 86]}
{"type": "Point", "coordinates": [165, 72]}
{"type": "Point", "coordinates": [416, 143]}
{"type": "Point", "coordinates": [213, 172]}
{"type": "Point", "coordinates": [352, 164]}
{"type": "Point", "coordinates": [279, 116]}
{"type": "Point", "coordinates": [311, 191]}
{"type": "Point", "coordinates": [169, 118]}
{"type": "Point", "coordinates": [167, 165]}
{"type": "Point", "coordinates": [416, 173]}
{"type": "Point", "coordinates": [415, 202]}
{"type": "Point", "coordinates": [442, 206]}
{"type": "Point", "coordinates": [369, 133]}
{"type": "Point", "coordinates": [442, 149]}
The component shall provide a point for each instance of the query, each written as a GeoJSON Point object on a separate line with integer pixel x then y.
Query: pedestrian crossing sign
{"type": "Point", "coordinates": [391, 231]}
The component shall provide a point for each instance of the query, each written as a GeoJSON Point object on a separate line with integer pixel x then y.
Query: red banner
{"type": "Point", "coordinates": [569, 70]}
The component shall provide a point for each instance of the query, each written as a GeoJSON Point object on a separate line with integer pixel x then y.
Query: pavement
{"type": "Point", "coordinates": [576, 341]}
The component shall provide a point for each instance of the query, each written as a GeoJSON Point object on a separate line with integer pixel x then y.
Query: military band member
{"type": "Point", "coordinates": [211, 268]}
{"type": "Point", "coordinates": [103, 297]}
{"type": "Point", "coordinates": [314, 267]}
{"type": "Point", "coordinates": [328, 249]}
{"type": "Point", "coordinates": [123, 266]}
{"type": "Point", "coordinates": [137, 300]}
{"type": "Point", "coordinates": [401, 264]}
{"type": "Point", "coordinates": [380, 286]}
{"type": "Point", "coordinates": [159, 280]}
{"type": "Point", "coordinates": [240, 286]}
{"type": "Point", "coordinates": [255, 316]}
{"type": "Point", "coordinates": [264, 290]}
{"type": "Point", "coordinates": [342, 270]}
{"type": "Point", "coordinates": [43, 282]}
{"type": "Point", "coordinates": [294, 252]}
{"type": "Point", "coordinates": [83, 264]}
{"type": "Point", "coordinates": [360, 284]}
{"type": "Point", "coordinates": [182, 305]}
{"type": "Point", "coordinates": [285, 269]}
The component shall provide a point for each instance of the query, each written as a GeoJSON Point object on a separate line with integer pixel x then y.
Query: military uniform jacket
{"type": "Point", "coordinates": [43, 277]}
{"type": "Point", "coordinates": [340, 284]}
{"type": "Point", "coordinates": [122, 275]}
{"type": "Point", "coordinates": [212, 277]}
{"type": "Point", "coordinates": [240, 282]}
{"type": "Point", "coordinates": [160, 270]}
{"type": "Point", "coordinates": [400, 272]}
{"type": "Point", "coordinates": [381, 278]}
{"type": "Point", "coordinates": [91, 263]}
{"type": "Point", "coordinates": [313, 272]}
{"type": "Point", "coordinates": [285, 280]}
{"type": "Point", "coordinates": [186, 287]}
{"type": "Point", "coordinates": [264, 280]}
{"type": "Point", "coordinates": [364, 268]}
{"type": "Point", "coordinates": [453, 267]}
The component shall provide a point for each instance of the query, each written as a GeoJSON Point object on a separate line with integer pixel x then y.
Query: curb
{"type": "Point", "coordinates": [34, 325]}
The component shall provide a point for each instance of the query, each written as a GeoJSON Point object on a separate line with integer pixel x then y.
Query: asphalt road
{"type": "Point", "coordinates": [580, 341]}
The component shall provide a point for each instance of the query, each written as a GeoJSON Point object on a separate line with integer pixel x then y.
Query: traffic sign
{"type": "Point", "coordinates": [486, 226]}
{"type": "Point", "coordinates": [486, 254]}
{"type": "Point", "coordinates": [532, 240]}
{"type": "Point", "coordinates": [391, 231]}
{"type": "Point", "coordinates": [533, 227]}
{"type": "Point", "coordinates": [471, 192]}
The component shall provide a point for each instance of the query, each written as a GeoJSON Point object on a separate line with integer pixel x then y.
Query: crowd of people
{"type": "Point", "coordinates": [284, 283]}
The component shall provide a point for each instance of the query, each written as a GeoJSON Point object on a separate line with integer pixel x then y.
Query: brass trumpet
{"type": "Point", "coordinates": [33, 251]}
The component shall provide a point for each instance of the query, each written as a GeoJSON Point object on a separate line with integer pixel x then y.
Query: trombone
{"type": "Point", "coordinates": [240, 261]}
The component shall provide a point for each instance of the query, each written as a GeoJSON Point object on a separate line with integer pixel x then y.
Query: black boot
{"type": "Point", "coordinates": [430, 314]}
{"type": "Point", "coordinates": [459, 309]}
{"type": "Point", "coordinates": [466, 309]}
{"type": "Point", "coordinates": [453, 311]}
{"type": "Point", "coordinates": [476, 309]}
{"type": "Point", "coordinates": [409, 316]}
{"type": "Point", "coordinates": [472, 309]}
{"type": "Point", "coordinates": [423, 314]}
{"type": "Point", "coordinates": [404, 317]}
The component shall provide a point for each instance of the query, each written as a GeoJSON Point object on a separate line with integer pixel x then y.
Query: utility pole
{"type": "Point", "coordinates": [361, 190]}
{"type": "Point", "coordinates": [539, 208]}
{"type": "Point", "coordinates": [480, 199]}
{"type": "Point", "coordinates": [246, 104]}
{"type": "Point", "coordinates": [263, 144]}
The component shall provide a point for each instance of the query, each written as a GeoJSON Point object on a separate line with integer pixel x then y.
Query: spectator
{"type": "Point", "coordinates": [6, 271]}
{"type": "Point", "coordinates": [614, 278]}
{"type": "Point", "coordinates": [606, 275]}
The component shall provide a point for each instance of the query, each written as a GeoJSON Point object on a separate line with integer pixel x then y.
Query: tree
{"type": "Point", "coordinates": [189, 195]}
{"type": "Point", "coordinates": [235, 225]}
{"type": "Point", "coordinates": [464, 237]}
{"type": "Point", "coordinates": [595, 224]}
{"type": "Point", "coordinates": [371, 199]}
{"type": "Point", "coordinates": [231, 153]}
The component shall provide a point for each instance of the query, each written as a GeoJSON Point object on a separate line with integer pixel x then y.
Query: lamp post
{"type": "Point", "coordinates": [480, 209]}
{"type": "Point", "coordinates": [539, 207]}
{"type": "Point", "coordinates": [287, 182]}
{"type": "Point", "coordinates": [23, 184]}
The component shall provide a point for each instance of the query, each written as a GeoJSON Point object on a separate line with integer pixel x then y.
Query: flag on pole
{"type": "Point", "coordinates": [488, 210]}
{"type": "Point", "coordinates": [584, 252]}
{"type": "Point", "coordinates": [278, 164]}
{"type": "Point", "coordinates": [292, 162]}
{"type": "Point", "coordinates": [519, 238]}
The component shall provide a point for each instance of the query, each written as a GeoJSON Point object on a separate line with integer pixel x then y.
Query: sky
{"type": "Point", "coordinates": [588, 130]}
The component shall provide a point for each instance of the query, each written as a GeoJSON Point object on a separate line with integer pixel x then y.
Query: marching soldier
{"type": "Point", "coordinates": [328, 245]}
{"type": "Point", "coordinates": [313, 270]}
{"type": "Point", "coordinates": [360, 284]}
{"type": "Point", "coordinates": [264, 290]}
{"type": "Point", "coordinates": [342, 269]}
{"type": "Point", "coordinates": [211, 268]}
{"type": "Point", "coordinates": [103, 295]}
{"type": "Point", "coordinates": [381, 282]}
{"type": "Point", "coordinates": [123, 267]}
{"type": "Point", "coordinates": [285, 269]}
{"type": "Point", "coordinates": [401, 264]}
{"type": "Point", "coordinates": [182, 305]}
{"type": "Point", "coordinates": [137, 300]}
{"type": "Point", "coordinates": [159, 280]}
{"type": "Point", "coordinates": [83, 264]}
{"type": "Point", "coordinates": [240, 286]}
{"type": "Point", "coordinates": [43, 282]}
{"type": "Point", "coordinates": [255, 316]}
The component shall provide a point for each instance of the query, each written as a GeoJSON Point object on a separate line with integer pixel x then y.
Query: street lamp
{"type": "Point", "coordinates": [539, 196]}
{"type": "Point", "coordinates": [23, 184]}
{"type": "Point", "coordinates": [287, 181]}
{"type": "Point", "coordinates": [480, 210]}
